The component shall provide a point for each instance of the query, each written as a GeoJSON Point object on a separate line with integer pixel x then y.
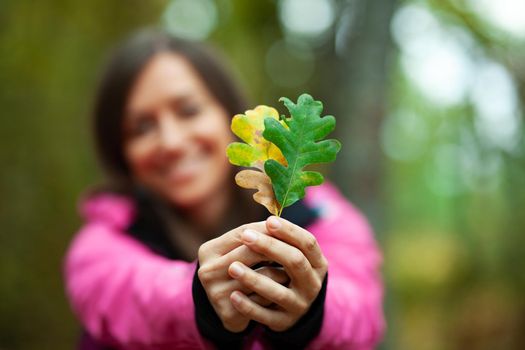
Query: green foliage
{"type": "Point", "coordinates": [301, 144]}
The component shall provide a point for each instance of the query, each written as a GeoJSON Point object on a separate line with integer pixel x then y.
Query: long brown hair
{"type": "Point", "coordinates": [123, 68]}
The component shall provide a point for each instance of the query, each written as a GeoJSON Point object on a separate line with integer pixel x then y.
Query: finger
{"type": "Point", "coordinates": [232, 239]}
{"type": "Point", "coordinates": [266, 287]}
{"type": "Point", "coordinates": [233, 284]}
{"type": "Point", "coordinates": [276, 320]}
{"type": "Point", "coordinates": [242, 253]}
{"type": "Point", "coordinates": [292, 259]}
{"type": "Point", "coordinates": [256, 298]}
{"type": "Point", "coordinates": [217, 268]}
{"type": "Point", "coordinates": [297, 237]}
{"type": "Point", "coordinates": [221, 303]}
{"type": "Point", "coordinates": [275, 273]}
{"type": "Point", "coordinates": [219, 296]}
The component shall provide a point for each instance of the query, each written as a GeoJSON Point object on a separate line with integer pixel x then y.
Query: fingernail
{"type": "Point", "coordinates": [249, 236]}
{"type": "Point", "coordinates": [274, 222]}
{"type": "Point", "coordinates": [236, 270]}
{"type": "Point", "coordinates": [235, 297]}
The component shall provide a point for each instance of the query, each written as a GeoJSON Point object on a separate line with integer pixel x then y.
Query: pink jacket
{"type": "Point", "coordinates": [128, 296]}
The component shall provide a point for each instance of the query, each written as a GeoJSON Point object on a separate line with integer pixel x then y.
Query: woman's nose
{"type": "Point", "coordinates": [172, 135]}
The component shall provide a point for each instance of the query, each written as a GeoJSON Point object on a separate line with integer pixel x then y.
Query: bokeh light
{"type": "Point", "coordinates": [434, 58]}
{"type": "Point", "coordinates": [508, 15]}
{"type": "Point", "coordinates": [404, 136]}
{"type": "Point", "coordinates": [191, 19]}
{"type": "Point", "coordinates": [495, 101]}
{"type": "Point", "coordinates": [307, 18]}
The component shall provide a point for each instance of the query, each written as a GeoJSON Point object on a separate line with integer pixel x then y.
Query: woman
{"type": "Point", "coordinates": [173, 255]}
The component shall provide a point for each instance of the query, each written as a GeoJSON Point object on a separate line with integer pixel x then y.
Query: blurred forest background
{"type": "Point", "coordinates": [429, 97]}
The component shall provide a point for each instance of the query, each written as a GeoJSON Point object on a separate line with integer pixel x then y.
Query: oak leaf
{"type": "Point", "coordinates": [302, 144]}
{"type": "Point", "coordinates": [256, 149]}
{"type": "Point", "coordinates": [253, 179]}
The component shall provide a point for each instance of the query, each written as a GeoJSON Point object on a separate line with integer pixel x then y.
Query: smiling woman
{"type": "Point", "coordinates": [172, 255]}
{"type": "Point", "coordinates": [176, 134]}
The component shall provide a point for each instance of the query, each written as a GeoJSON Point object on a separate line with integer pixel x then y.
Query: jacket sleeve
{"type": "Point", "coordinates": [127, 296]}
{"type": "Point", "coordinates": [353, 316]}
{"type": "Point", "coordinates": [307, 327]}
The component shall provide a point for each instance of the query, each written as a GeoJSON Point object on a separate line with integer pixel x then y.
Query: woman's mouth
{"type": "Point", "coordinates": [185, 170]}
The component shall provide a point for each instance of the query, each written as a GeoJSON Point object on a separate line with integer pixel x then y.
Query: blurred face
{"type": "Point", "coordinates": [176, 133]}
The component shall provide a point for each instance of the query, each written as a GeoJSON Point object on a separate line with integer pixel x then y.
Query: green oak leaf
{"type": "Point", "coordinates": [302, 144]}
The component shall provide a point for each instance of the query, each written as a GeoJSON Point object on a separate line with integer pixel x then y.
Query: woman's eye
{"type": "Point", "coordinates": [142, 126]}
{"type": "Point", "coordinates": [189, 110]}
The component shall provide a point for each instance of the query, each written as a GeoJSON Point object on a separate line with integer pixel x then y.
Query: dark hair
{"type": "Point", "coordinates": [123, 68]}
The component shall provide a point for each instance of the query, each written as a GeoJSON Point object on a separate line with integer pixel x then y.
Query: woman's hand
{"type": "Point", "coordinates": [298, 252]}
{"type": "Point", "coordinates": [215, 256]}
